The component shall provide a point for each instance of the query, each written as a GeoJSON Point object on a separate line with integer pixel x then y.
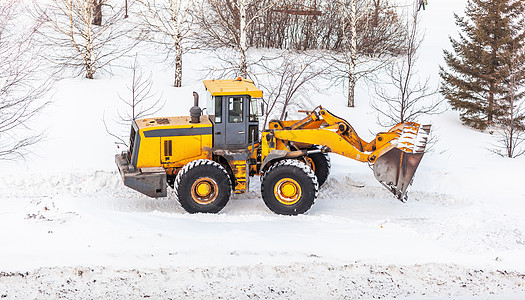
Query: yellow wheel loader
{"type": "Point", "coordinates": [206, 157]}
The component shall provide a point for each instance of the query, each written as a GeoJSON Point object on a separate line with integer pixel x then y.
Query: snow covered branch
{"type": "Point", "coordinates": [76, 36]}
{"type": "Point", "coordinates": [168, 23]}
{"type": "Point", "coordinates": [21, 89]}
{"type": "Point", "coordinates": [407, 97]}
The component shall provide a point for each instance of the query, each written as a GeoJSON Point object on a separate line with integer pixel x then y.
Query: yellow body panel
{"type": "Point", "coordinates": [171, 122]}
{"type": "Point", "coordinates": [149, 152]}
{"type": "Point", "coordinates": [239, 168]}
{"type": "Point", "coordinates": [188, 148]}
{"type": "Point", "coordinates": [173, 142]}
{"type": "Point", "coordinates": [232, 87]}
{"type": "Point", "coordinates": [266, 147]}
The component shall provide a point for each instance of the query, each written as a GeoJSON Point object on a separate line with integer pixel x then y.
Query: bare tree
{"type": "Point", "coordinates": [168, 23]}
{"type": "Point", "coordinates": [287, 84]}
{"type": "Point", "coordinates": [356, 56]}
{"type": "Point", "coordinates": [140, 102]}
{"type": "Point", "coordinates": [21, 89]}
{"type": "Point", "coordinates": [349, 15]}
{"type": "Point", "coordinates": [407, 97]}
{"type": "Point", "coordinates": [511, 133]}
{"type": "Point", "coordinates": [74, 42]}
{"type": "Point", "coordinates": [244, 24]}
{"type": "Point", "coordinates": [226, 24]}
{"type": "Point", "coordinates": [304, 25]}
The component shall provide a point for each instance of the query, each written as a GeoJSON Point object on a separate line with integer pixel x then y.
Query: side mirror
{"type": "Point", "coordinates": [262, 108]}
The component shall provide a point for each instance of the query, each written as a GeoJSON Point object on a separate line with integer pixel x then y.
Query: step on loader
{"type": "Point", "coordinates": [206, 157]}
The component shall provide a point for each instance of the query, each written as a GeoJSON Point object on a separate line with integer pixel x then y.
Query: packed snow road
{"type": "Point", "coordinates": [85, 235]}
{"type": "Point", "coordinates": [311, 280]}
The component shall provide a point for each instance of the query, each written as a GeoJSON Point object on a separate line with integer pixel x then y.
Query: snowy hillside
{"type": "Point", "coordinates": [71, 229]}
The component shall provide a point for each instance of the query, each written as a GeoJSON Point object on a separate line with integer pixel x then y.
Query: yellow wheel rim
{"type": "Point", "coordinates": [204, 190]}
{"type": "Point", "coordinates": [287, 191]}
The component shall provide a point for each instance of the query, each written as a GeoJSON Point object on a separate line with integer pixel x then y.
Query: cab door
{"type": "Point", "coordinates": [219, 121]}
{"type": "Point", "coordinates": [236, 120]}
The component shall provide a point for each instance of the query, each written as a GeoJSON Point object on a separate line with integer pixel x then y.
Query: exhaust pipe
{"type": "Point", "coordinates": [195, 111]}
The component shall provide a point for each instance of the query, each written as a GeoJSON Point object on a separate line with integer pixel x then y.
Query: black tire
{"type": "Point", "coordinates": [202, 186]}
{"type": "Point", "coordinates": [289, 187]}
{"type": "Point", "coordinates": [320, 164]}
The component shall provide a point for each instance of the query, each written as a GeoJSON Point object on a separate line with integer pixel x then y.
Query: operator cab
{"type": "Point", "coordinates": [232, 108]}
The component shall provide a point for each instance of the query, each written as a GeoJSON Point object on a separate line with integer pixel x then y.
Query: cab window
{"type": "Point", "coordinates": [214, 108]}
{"type": "Point", "coordinates": [235, 109]}
{"type": "Point", "coordinates": [254, 115]}
{"type": "Point", "coordinates": [218, 109]}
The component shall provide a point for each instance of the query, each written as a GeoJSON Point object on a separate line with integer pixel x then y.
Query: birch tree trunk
{"type": "Point", "coordinates": [72, 40]}
{"type": "Point", "coordinates": [178, 62]}
{"type": "Point", "coordinates": [89, 53]}
{"type": "Point", "coordinates": [243, 44]}
{"type": "Point", "coordinates": [178, 17]}
{"type": "Point", "coordinates": [171, 19]}
{"type": "Point", "coordinates": [352, 54]}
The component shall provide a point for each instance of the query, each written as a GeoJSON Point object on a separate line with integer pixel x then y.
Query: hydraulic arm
{"type": "Point", "coordinates": [394, 155]}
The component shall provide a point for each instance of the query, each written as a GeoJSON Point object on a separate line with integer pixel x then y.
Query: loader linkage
{"type": "Point", "coordinates": [393, 155]}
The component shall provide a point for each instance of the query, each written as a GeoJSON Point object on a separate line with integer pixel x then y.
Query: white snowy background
{"type": "Point", "coordinates": [70, 229]}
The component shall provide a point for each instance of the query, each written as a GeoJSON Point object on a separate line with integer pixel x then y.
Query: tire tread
{"type": "Point", "coordinates": [193, 164]}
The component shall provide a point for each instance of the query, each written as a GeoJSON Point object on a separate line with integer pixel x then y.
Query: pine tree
{"type": "Point", "coordinates": [478, 65]}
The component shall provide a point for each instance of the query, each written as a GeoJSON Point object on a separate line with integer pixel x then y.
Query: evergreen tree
{"type": "Point", "coordinates": [478, 68]}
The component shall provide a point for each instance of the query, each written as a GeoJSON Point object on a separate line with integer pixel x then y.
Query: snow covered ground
{"type": "Point", "coordinates": [84, 235]}
{"type": "Point", "coordinates": [70, 229]}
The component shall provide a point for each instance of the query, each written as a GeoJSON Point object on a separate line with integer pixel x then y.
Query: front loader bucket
{"type": "Point", "coordinates": [395, 169]}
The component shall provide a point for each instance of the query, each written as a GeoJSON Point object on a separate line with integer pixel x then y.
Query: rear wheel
{"type": "Point", "coordinates": [202, 186]}
{"type": "Point", "coordinates": [320, 164]}
{"type": "Point", "coordinates": [289, 187]}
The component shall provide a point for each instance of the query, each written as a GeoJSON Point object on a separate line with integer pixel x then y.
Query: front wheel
{"type": "Point", "coordinates": [202, 186]}
{"type": "Point", "coordinates": [289, 187]}
{"type": "Point", "coordinates": [320, 164]}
